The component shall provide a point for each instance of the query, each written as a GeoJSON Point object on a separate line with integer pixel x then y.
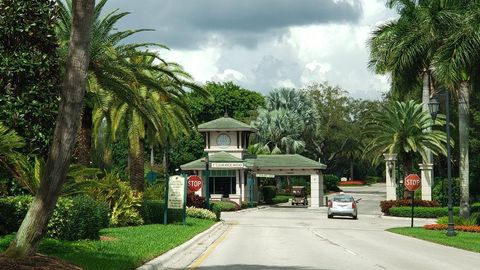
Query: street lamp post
{"type": "Point", "coordinates": [207, 182]}
{"type": "Point", "coordinates": [433, 106]}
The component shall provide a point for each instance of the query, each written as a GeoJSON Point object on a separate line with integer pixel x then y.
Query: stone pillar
{"type": "Point", "coordinates": [390, 175]}
{"type": "Point", "coordinates": [426, 175]}
{"type": "Point", "coordinates": [316, 192]}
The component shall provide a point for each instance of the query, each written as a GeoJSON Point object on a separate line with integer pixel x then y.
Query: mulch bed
{"type": "Point", "coordinates": [36, 262]}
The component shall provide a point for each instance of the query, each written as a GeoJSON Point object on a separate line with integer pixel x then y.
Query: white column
{"type": "Point", "coordinates": [390, 176]}
{"type": "Point", "coordinates": [242, 184]}
{"type": "Point", "coordinates": [237, 183]}
{"type": "Point", "coordinates": [426, 175]}
{"type": "Point", "coordinates": [316, 192]}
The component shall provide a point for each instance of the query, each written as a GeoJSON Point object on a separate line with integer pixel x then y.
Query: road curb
{"type": "Point", "coordinates": [161, 261]}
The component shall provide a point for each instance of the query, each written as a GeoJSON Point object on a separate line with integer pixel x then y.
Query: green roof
{"type": "Point", "coordinates": [261, 161]}
{"type": "Point", "coordinates": [214, 157]}
{"type": "Point", "coordinates": [224, 123]}
{"type": "Point", "coordinates": [283, 161]}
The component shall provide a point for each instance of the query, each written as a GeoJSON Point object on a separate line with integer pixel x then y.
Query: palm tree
{"type": "Point", "coordinates": [285, 123]}
{"type": "Point", "coordinates": [405, 48]}
{"type": "Point", "coordinates": [456, 66]}
{"type": "Point", "coordinates": [109, 69]}
{"type": "Point", "coordinates": [403, 128]}
{"type": "Point", "coordinates": [166, 97]}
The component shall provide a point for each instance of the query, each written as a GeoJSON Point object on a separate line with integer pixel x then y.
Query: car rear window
{"type": "Point", "coordinates": [343, 199]}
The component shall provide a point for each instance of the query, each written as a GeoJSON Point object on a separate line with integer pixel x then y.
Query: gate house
{"type": "Point", "coordinates": [233, 172]}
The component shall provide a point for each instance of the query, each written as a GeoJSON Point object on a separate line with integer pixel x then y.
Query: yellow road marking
{"type": "Point", "coordinates": [209, 251]}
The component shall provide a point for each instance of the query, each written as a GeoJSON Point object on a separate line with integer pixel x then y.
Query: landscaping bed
{"type": "Point", "coordinates": [352, 183]}
{"type": "Point", "coordinates": [122, 248]}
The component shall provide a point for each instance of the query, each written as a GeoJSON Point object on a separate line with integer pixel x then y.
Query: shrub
{"type": "Point", "coordinates": [440, 190]}
{"type": "Point", "coordinates": [475, 207]}
{"type": "Point", "coordinates": [386, 205]}
{"type": "Point", "coordinates": [154, 192]}
{"type": "Point", "coordinates": [421, 212]}
{"type": "Point", "coordinates": [79, 218]}
{"type": "Point", "coordinates": [72, 219]}
{"type": "Point", "coordinates": [269, 192]}
{"type": "Point", "coordinates": [12, 213]}
{"type": "Point", "coordinates": [373, 179]}
{"type": "Point", "coordinates": [201, 213]}
{"type": "Point", "coordinates": [225, 206]}
{"type": "Point", "coordinates": [121, 199]}
{"type": "Point", "coordinates": [331, 182]}
{"type": "Point", "coordinates": [457, 220]}
{"type": "Point", "coordinates": [246, 205]}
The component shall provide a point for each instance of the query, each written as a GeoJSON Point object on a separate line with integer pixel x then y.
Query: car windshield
{"type": "Point", "coordinates": [343, 199]}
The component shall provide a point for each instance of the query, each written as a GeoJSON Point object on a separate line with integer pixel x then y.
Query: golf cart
{"type": "Point", "coordinates": [299, 195]}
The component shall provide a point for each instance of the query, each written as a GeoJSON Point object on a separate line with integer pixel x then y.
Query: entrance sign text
{"type": "Point", "coordinates": [176, 192]}
{"type": "Point", "coordinates": [229, 165]}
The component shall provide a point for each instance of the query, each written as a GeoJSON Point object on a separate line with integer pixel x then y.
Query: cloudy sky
{"type": "Point", "coordinates": [265, 44]}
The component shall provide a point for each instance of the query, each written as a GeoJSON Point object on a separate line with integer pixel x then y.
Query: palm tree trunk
{"type": "Point", "coordinates": [136, 167]}
{"type": "Point", "coordinates": [351, 170]}
{"type": "Point", "coordinates": [463, 128]}
{"type": "Point", "coordinates": [34, 224]}
{"type": "Point", "coordinates": [427, 88]}
{"type": "Point", "coordinates": [82, 152]}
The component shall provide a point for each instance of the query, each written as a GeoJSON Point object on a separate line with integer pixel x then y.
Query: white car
{"type": "Point", "coordinates": [343, 205]}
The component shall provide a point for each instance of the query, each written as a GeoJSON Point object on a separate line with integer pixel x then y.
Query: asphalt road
{"type": "Point", "coordinates": [286, 237]}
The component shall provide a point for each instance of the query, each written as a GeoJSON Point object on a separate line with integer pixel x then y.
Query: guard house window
{"type": "Point", "coordinates": [222, 182]}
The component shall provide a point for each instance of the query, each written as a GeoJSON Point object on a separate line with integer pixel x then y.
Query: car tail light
{"type": "Point", "coordinates": [353, 205]}
{"type": "Point", "coordinates": [329, 203]}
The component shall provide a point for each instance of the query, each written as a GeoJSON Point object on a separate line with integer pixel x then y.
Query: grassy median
{"type": "Point", "coordinates": [463, 240]}
{"type": "Point", "coordinates": [120, 248]}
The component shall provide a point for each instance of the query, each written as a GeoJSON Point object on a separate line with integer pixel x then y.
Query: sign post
{"type": "Point", "coordinates": [412, 182]}
{"type": "Point", "coordinates": [184, 176]}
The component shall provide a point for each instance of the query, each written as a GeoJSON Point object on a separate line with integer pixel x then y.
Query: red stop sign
{"type": "Point", "coordinates": [194, 183]}
{"type": "Point", "coordinates": [412, 182]}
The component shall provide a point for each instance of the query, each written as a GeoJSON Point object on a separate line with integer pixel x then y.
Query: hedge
{"type": "Point", "coordinates": [421, 212]}
{"type": "Point", "coordinates": [73, 218]}
{"type": "Point", "coordinates": [331, 182]}
{"type": "Point", "coordinates": [152, 212]}
{"type": "Point", "coordinates": [280, 199]}
{"type": "Point", "coordinates": [386, 205]}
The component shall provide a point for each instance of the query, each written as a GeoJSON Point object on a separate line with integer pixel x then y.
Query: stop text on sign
{"type": "Point", "coordinates": [194, 183]}
{"type": "Point", "coordinates": [412, 182]}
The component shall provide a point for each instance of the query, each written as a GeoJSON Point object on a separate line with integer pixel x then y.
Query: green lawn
{"type": "Point", "coordinates": [464, 240]}
{"type": "Point", "coordinates": [130, 248]}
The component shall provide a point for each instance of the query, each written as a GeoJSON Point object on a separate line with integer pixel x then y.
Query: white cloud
{"type": "Point", "coordinates": [299, 55]}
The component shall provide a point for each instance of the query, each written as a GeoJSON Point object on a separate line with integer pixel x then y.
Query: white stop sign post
{"type": "Point", "coordinates": [412, 182]}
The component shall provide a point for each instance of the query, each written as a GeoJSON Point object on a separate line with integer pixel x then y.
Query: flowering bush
{"type": "Point", "coordinates": [463, 228]}
{"type": "Point", "coordinates": [200, 213]}
{"type": "Point", "coordinates": [352, 182]}
{"type": "Point", "coordinates": [195, 200]}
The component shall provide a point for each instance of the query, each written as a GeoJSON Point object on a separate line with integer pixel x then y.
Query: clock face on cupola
{"type": "Point", "coordinates": [223, 140]}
